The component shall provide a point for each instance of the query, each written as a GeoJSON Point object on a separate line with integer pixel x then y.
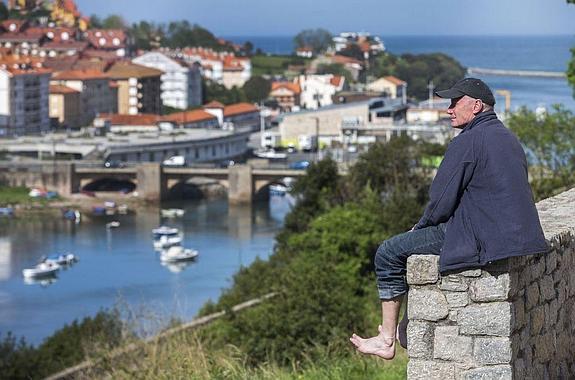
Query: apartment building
{"type": "Point", "coordinates": [24, 95]}
{"type": "Point", "coordinates": [139, 88]}
{"type": "Point", "coordinates": [96, 94]}
{"type": "Point", "coordinates": [181, 81]}
{"type": "Point", "coordinates": [65, 107]}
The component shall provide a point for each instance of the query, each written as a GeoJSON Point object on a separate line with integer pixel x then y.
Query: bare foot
{"type": "Point", "coordinates": [379, 345]}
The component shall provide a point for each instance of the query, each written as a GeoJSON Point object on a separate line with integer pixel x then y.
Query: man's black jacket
{"type": "Point", "coordinates": [481, 191]}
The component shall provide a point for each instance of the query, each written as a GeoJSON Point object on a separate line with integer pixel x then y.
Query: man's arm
{"type": "Point", "coordinates": [451, 179]}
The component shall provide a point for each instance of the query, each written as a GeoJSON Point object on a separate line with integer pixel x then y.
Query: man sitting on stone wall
{"type": "Point", "coordinates": [480, 210]}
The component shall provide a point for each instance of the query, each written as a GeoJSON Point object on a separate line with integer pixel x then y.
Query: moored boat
{"type": "Point", "coordinates": [166, 241]}
{"type": "Point", "coordinates": [61, 259]}
{"type": "Point", "coordinates": [178, 253]}
{"type": "Point", "coordinates": [172, 212]}
{"type": "Point", "coordinates": [43, 269]}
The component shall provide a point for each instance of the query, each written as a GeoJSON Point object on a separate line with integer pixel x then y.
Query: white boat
{"type": "Point", "coordinates": [178, 253]}
{"type": "Point", "coordinates": [278, 189]}
{"type": "Point", "coordinates": [166, 241]}
{"type": "Point", "coordinates": [172, 212]}
{"type": "Point", "coordinates": [271, 154]}
{"type": "Point", "coordinates": [114, 224]}
{"type": "Point", "coordinates": [164, 231]}
{"type": "Point", "coordinates": [61, 259]}
{"type": "Point", "coordinates": [44, 269]}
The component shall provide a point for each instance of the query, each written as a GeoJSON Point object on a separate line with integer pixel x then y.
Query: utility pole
{"type": "Point", "coordinates": [317, 137]}
{"type": "Point", "coordinates": [262, 125]}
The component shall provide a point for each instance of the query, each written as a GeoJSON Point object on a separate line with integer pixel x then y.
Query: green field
{"type": "Point", "coordinates": [275, 64]}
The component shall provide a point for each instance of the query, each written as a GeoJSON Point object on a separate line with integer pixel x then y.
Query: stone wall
{"type": "Point", "coordinates": [514, 319]}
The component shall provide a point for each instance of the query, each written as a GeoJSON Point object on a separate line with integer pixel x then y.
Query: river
{"type": "Point", "coordinates": [119, 267]}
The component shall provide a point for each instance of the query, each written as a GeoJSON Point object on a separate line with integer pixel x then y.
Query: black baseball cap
{"type": "Point", "coordinates": [472, 87]}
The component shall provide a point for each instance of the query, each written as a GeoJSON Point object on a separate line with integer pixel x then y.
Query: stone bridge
{"type": "Point", "coordinates": [244, 182]}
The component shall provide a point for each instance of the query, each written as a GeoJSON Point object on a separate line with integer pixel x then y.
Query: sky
{"type": "Point", "coordinates": [383, 17]}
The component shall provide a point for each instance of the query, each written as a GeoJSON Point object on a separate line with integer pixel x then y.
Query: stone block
{"type": "Point", "coordinates": [519, 313]}
{"type": "Point", "coordinates": [449, 345]}
{"type": "Point", "coordinates": [551, 312]}
{"type": "Point", "coordinates": [538, 268]}
{"type": "Point", "coordinates": [551, 262]}
{"type": "Point", "coordinates": [490, 288]}
{"type": "Point", "coordinates": [491, 319]}
{"type": "Point", "coordinates": [532, 296]}
{"type": "Point", "coordinates": [500, 372]}
{"type": "Point", "coordinates": [452, 316]}
{"type": "Point", "coordinates": [430, 370]}
{"type": "Point", "coordinates": [428, 304]}
{"type": "Point", "coordinates": [471, 273]}
{"type": "Point", "coordinates": [547, 288]}
{"type": "Point", "coordinates": [422, 269]}
{"type": "Point", "coordinates": [488, 351]}
{"type": "Point", "coordinates": [420, 340]}
{"type": "Point", "coordinates": [457, 299]}
{"type": "Point", "coordinates": [537, 317]}
{"type": "Point", "coordinates": [454, 283]}
{"type": "Point", "coordinates": [545, 348]}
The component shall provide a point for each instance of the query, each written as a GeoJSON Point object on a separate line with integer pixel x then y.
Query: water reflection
{"type": "Point", "coordinates": [122, 261]}
{"type": "Point", "coordinates": [42, 281]}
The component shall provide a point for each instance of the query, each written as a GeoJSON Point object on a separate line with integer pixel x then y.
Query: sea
{"type": "Point", "coordinates": [540, 53]}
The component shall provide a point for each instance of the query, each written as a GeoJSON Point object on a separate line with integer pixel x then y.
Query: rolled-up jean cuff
{"type": "Point", "coordinates": [389, 294]}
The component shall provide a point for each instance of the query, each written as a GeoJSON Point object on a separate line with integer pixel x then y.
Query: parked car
{"type": "Point", "coordinates": [226, 163]}
{"type": "Point", "coordinates": [299, 165]}
{"type": "Point", "coordinates": [111, 164]}
{"type": "Point", "coordinates": [175, 161]}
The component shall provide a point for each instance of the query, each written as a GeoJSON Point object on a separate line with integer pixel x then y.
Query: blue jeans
{"type": "Point", "coordinates": [391, 258]}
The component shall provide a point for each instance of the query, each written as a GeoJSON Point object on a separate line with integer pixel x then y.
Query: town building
{"type": "Point", "coordinates": [389, 86]}
{"type": "Point", "coordinates": [24, 95]}
{"type": "Point", "coordinates": [113, 41]}
{"type": "Point", "coordinates": [65, 107]}
{"type": "Point", "coordinates": [193, 119]}
{"type": "Point", "coordinates": [287, 95]}
{"type": "Point", "coordinates": [429, 111]}
{"type": "Point", "coordinates": [96, 95]}
{"type": "Point", "coordinates": [318, 90]}
{"type": "Point", "coordinates": [337, 123]}
{"type": "Point", "coordinates": [369, 45]}
{"type": "Point", "coordinates": [139, 88]}
{"type": "Point", "coordinates": [241, 116]}
{"type": "Point", "coordinates": [181, 81]}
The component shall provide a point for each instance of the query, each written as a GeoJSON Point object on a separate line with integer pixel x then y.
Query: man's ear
{"type": "Point", "coordinates": [477, 106]}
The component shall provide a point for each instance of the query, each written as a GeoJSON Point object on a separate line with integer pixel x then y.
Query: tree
{"type": "Point", "coordinates": [571, 67]}
{"type": "Point", "coordinates": [146, 35]}
{"type": "Point", "coordinates": [218, 92]}
{"type": "Point", "coordinates": [419, 70]}
{"type": "Point", "coordinates": [96, 22]}
{"type": "Point", "coordinates": [319, 40]}
{"type": "Point", "coordinates": [257, 89]}
{"type": "Point", "coordinates": [352, 51]}
{"type": "Point", "coordinates": [549, 142]}
{"type": "Point", "coordinates": [3, 12]}
{"type": "Point", "coordinates": [114, 22]}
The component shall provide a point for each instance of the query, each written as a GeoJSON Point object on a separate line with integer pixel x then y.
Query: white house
{"type": "Point", "coordinates": [24, 99]}
{"type": "Point", "coordinates": [181, 82]}
{"type": "Point", "coordinates": [317, 90]}
{"type": "Point", "coordinates": [391, 86]}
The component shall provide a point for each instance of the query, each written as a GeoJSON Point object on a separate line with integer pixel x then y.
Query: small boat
{"type": "Point", "coordinates": [123, 209]}
{"type": "Point", "coordinates": [164, 231]}
{"type": "Point", "coordinates": [61, 259]}
{"type": "Point", "coordinates": [70, 214]}
{"type": "Point", "coordinates": [178, 253]}
{"type": "Point", "coordinates": [6, 211]}
{"type": "Point", "coordinates": [279, 189]}
{"type": "Point", "coordinates": [44, 269]}
{"type": "Point", "coordinates": [172, 212]}
{"type": "Point", "coordinates": [166, 241]}
{"type": "Point", "coordinates": [113, 224]}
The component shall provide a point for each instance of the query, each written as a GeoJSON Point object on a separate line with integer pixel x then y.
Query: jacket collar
{"type": "Point", "coordinates": [480, 118]}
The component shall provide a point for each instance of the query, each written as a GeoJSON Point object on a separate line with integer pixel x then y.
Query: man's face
{"type": "Point", "coordinates": [462, 110]}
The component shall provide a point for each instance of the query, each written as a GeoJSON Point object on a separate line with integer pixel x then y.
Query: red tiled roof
{"type": "Point", "coordinates": [343, 59]}
{"type": "Point", "coordinates": [61, 63]}
{"type": "Point", "coordinates": [239, 108]}
{"type": "Point", "coordinates": [65, 45]}
{"type": "Point", "coordinates": [59, 89]}
{"type": "Point", "coordinates": [19, 70]}
{"type": "Point", "coordinates": [396, 81]}
{"type": "Point", "coordinates": [17, 23]}
{"type": "Point", "coordinates": [80, 75]}
{"type": "Point", "coordinates": [336, 80]}
{"type": "Point", "coordinates": [125, 69]}
{"type": "Point", "coordinates": [106, 38]}
{"type": "Point", "coordinates": [214, 104]}
{"type": "Point", "coordinates": [293, 87]}
{"type": "Point", "coordinates": [189, 116]}
{"type": "Point", "coordinates": [141, 119]}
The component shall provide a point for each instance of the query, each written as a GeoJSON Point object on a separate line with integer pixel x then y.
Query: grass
{"type": "Point", "coordinates": [274, 64]}
{"type": "Point", "coordinates": [19, 195]}
{"type": "Point", "coordinates": [185, 357]}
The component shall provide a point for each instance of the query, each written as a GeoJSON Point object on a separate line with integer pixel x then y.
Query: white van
{"type": "Point", "coordinates": [175, 161]}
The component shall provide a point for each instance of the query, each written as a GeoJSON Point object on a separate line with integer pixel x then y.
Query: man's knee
{"type": "Point", "coordinates": [385, 254]}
